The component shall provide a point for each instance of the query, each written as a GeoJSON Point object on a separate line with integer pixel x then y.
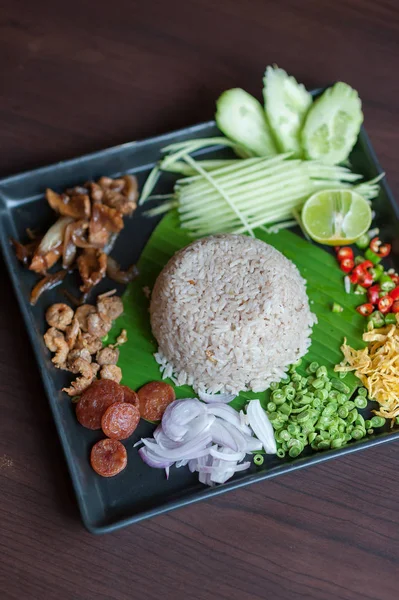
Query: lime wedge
{"type": "Point", "coordinates": [336, 217]}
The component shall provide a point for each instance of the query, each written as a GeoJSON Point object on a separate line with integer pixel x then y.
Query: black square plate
{"type": "Point", "coordinates": [138, 492]}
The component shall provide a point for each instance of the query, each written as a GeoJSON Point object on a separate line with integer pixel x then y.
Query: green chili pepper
{"type": "Point", "coordinates": [367, 424]}
{"type": "Point", "coordinates": [370, 255]}
{"type": "Point", "coordinates": [360, 290]}
{"type": "Point", "coordinates": [342, 374]}
{"type": "Point", "coordinates": [343, 412]}
{"type": "Point", "coordinates": [274, 385]}
{"type": "Point", "coordinates": [376, 272]}
{"type": "Point", "coordinates": [386, 283]}
{"type": "Point", "coordinates": [280, 453]}
{"type": "Point", "coordinates": [336, 308]}
{"type": "Point", "coordinates": [376, 319]}
{"type": "Point", "coordinates": [362, 391]}
{"type": "Point", "coordinates": [271, 407]}
{"type": "Point", "coordinates": [390, 319]}
{"type": "Point", "coordinates": [363, 242]}
{"type": "Point", "coordinates": [370, 431]}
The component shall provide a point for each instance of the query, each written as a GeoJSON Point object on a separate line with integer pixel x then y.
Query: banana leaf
{"type": "Point", "coordinates": [324, 286]}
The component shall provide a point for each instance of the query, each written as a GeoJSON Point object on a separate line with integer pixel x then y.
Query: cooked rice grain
{"type": "Point", "coordinates": [229, 313]}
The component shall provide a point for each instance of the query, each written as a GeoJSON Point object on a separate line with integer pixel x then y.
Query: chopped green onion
{"type": "Point", "coordinates": [360, 402]}
{"type": "Point", "coordinates": [321, 371]}
{"type": "Point", "coordinates": [258, 460]}
{"type": "Point", "coordinates": [340, 386]}
{"type": "Point", "coordinates": [377, 421]}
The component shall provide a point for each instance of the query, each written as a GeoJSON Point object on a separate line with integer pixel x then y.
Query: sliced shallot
{"type": "Point", "coordinates": [261, 426]}
{"type": "Point", "coordinates": [209, 398]}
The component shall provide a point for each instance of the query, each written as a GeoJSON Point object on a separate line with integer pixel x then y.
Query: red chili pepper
{"type": "Point", "coordinates": [357, 272]}
{"type": "Point", "coordinates": [344, 252]}
{"type": "Point", "coordinates": [394, 293]}
{"type": "Point", "coordinates": [354, 278]}
{"type": "Point", "coordinates": [375, 245]}
{"type": "Point", "coordinates": [384, 304]}
{"type": "Point", "coordinates": [395, 307]}
{"type": "Point", "coordinates": [395, 279]}
{"type": "Point", "coordinates": [384, 250]}
{"type": "Point", "coordinates": [365, 309]}
{"type": "Point", "coordinates": [366, 280]}
{"type": "Point", "coordinates": [367, 264]}
{"type": "Point", "coordinates": [373, 294]}
{"type": "Point", "coordinates": [346, 265]}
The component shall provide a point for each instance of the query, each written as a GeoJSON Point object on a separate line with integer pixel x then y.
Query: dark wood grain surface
{"type": "Point", "coordinates": [82, 75]}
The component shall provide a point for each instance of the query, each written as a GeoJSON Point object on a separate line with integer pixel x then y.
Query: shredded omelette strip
{"type": "Point", "coordinates": [377, 366]}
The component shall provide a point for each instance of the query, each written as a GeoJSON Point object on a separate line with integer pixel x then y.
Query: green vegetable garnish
{"type": "Point", "coordinates": [316, 414]}
{"type": "Point", "coordinates": [370, 255]}
{"type": "Point", "coordinates": [286, 104]}
{"type": "Point", "coordinates": [241, 117]}
{"type": "Point", "coordinates": [336, 308]}
{"type": "Point", "coordinates": [333, 124]}
{"type": "Point", "coordinates": [363, 242]}
{"type": "Point", "coordinates": [258, 460]}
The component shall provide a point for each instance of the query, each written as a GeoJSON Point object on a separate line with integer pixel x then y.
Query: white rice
{"type": "Point", "coordinates": [229, 313]}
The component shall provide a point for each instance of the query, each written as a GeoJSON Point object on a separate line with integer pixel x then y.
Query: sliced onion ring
{"type": "Point", "coordinates": [209, 398]}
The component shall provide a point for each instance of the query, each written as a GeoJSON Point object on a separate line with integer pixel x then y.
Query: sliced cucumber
{"type": "Point", "coordinates": [286, 104]}
{"type": "Point", "coordinates": [241, 118]}
{"type": "Point", "coordinates": [333, 124]}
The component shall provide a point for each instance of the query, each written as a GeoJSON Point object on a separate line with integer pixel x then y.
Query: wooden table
{"type": "Point", "coordinates": [79, 76]}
